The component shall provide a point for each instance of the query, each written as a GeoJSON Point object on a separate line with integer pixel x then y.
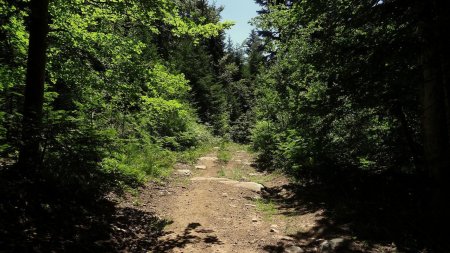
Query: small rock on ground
{"type": "Point", "coordinates": [284, 238]}
{"type": "Point", "coordinates": [330, 246]}
{"type": "Point", "coordinates": [251, 186]}
{"type": "Point", "coordinates": [208, 158]}
{"type": "Point", "coordinates": [184, 172]}
{"type": "Point", "coordinates": [247, 185]}
{"type": "Point", "coordinates": [274, 230]}
{"type": "Point", "coordinates": [219, 179]}
{"type": "Point", "coordinates": [293, 249]}
{"type": "Point", "coordinates": [200, 167]}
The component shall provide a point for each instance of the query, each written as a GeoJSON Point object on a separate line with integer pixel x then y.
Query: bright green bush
{"type": "Point", "coordinates": [241, 129]}
{"type": "Point", "coordinates": [140, 162]}
{"type": "Point", "coordinates": [264, 140]}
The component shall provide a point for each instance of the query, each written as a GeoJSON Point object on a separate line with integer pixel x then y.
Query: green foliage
{"type": "Point", "coordinates": [116, 107]}
{"type": "Point", "coordinates": [140, 162]}
{"type": "Point", "coordinates": [221, 172]}
{"type": "Point", "coordinates": [264, 140]}
{"type": "Point", "coordinates": [338, 87]}
{"type": "Point", "coordinates": [240, 129]}
{"type": "Point", "coordinates": [227, 149]}
{"type": "Point", "coordinates": [190, 156]}
{"type": "Point", "coordinates": [224, 155]}
{"type": "Point", "coordinates": [266, 207]}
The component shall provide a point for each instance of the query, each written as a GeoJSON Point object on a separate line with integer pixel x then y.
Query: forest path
{"type": "Point", "coordinates": [219, 208]}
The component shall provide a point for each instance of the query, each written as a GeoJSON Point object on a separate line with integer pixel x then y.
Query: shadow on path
{"type": "Point", "coordinates": [187, 237]}
{"type": "Point", "coordinates": [43, 217]}
{"type": "Point", "coordinates": [40, 217]}
{"type": "Point", "coordinates": [375, 214]}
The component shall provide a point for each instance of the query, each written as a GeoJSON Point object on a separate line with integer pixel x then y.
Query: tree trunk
{"type": "Point", "coordinates": [435, 127]}
{"type": "Point", "coordinates": [444, 20]}
{"type": "Point", "coordinates": [434, 116]}
{"type": "Point", "coordinates": [408, 135]}
{"type": "Point", "coordinates": [29, 157]}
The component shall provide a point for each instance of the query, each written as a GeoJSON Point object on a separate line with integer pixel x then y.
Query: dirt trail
{"type": "Point", "coordinates": [210, 213]}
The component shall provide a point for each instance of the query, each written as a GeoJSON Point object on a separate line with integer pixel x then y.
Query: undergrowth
{"type": "Point", "coordinates": [226, 149]}
{"type": "Point", "coordinates": [266, 207]}
{"type": "Point", "coordinates": [139, 163]}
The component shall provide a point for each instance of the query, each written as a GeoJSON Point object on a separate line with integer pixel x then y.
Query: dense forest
{"type": "Point", "coordinates": [341, 96]}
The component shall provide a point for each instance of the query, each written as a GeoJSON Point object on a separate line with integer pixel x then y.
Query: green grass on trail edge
{"type": "Point", "coordinates": [191, 156]}
{"type": "Point", "coordinates": [226, 150]}
{"type": "Point", "coordinates": [267, 208]}
{"type": "Point", "coordinates": [150, 164]}
{"type": "Point", "coordinates": [162, 161]}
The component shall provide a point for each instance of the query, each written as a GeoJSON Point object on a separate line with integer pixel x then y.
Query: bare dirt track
{"type": "Point", "coordinates": [220, 209]}
{"type": "Point", "coordinates": [213, 216]}
{"type": "Point", "coordinates": [217, 206]}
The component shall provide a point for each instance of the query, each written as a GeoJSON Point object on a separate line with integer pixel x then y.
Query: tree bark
{"type": "Point", "coordinates": [435, 126]}
{"type": "Point", "coordinates": [444, 28]}
{"type": "Point", "coordinates": [434, 117]}
{"type": "Point", "coordinates": [408, 135]}
{"type": "Point", "coordinates": [29, 157]}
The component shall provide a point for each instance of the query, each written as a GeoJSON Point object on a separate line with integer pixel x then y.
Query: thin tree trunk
{"type": "Point", "coordinates": [444, 28]}
{"type": "Point", "coordinates": [413, 147]}
{"type": "Point", "coordinates": [29, 157]}
{"type": "Point", "coordinates": [434, 117]}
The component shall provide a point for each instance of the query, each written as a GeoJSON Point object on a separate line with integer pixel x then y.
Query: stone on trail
{"type": "Point", "coordinates": [337, 242]}
{"type": "Point", "coordinates": [284, 238]}
{"type": "Point", "coordinates": [208, 158]}
{"type": "Point", "coordinates": [256, 197]}
{"type": "Point", "coordinates": [274, 230]}
{"type": "Point", "coordinates": [247, 185]}
{"type": "Point", "coordinates": [330, 246]}
{"type": "Point", "coordinates": [200, 167]}
{"type": "Point", "coordinates": [251, 186]}
{"type": "Point", "coordinates": [285, 194]}
{"type": "Point", "coordinates": [220, 179]}
{"type": "Point", "coordinates": [293, 249]}
{"type": "Point", "coordinates": [185, 173]}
